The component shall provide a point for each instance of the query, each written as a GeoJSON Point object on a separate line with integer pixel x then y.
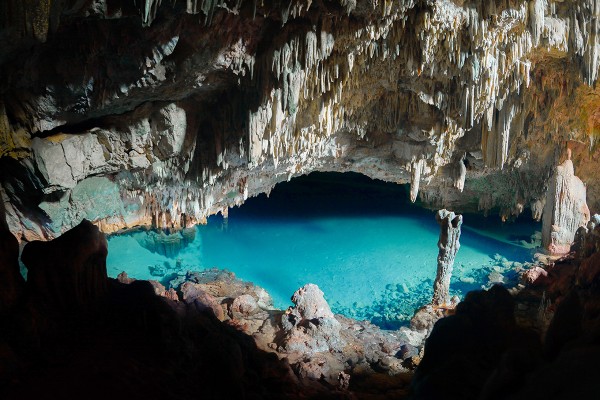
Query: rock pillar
{"type": "Point", "coordinates": [448, 246]}
{"type": "Point", "coordinates": [565, 210]}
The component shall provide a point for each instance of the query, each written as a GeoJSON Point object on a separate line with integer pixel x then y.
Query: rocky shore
{"type": "Point", "coordinates": [70, 331]}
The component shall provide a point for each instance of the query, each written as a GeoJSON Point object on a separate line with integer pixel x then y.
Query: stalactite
{"type": "Point", "coordinates": [415, 179]}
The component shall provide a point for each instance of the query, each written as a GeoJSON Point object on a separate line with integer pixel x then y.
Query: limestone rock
{"type": "Point", "coordinates": [244, 305]}
{"type": "Point", "coordinates": [310, 303]}
{"type": "Point", "coordinates": [310, 326]}
{"type": "Point", "coordinates": [194, 295]}
{"type": "Point", "coordinates": [533, 275]}
{"type": "Point", "coordinates": [448, 246]}
{"type": "Point", "coordinates": [565, 211]}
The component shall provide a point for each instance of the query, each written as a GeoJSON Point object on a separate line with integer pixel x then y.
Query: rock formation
{"type": "Point", "coordinates": [310, 326]}
{"type": "Point", "coordinates": [448, 246]}
{"type": "Point", "coordinates": [163, 113]}
{"type": "Point", "coordinates": [566, 209]}
{"type": "Point", "coordinates": [166, 244]}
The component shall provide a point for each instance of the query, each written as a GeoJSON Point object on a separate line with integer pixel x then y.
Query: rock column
{"type": "Point", "coordinates": [565, 210]}
{"type": "Point", "coordinates": [448, 246]}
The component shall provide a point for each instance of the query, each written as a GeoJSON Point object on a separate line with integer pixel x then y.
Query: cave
{"type": "Point", "coordinates": [324, 199]}
{"type": "Point", "coordinates": [329, 229]}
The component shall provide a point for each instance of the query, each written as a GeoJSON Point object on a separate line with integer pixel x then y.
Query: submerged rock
{"type": "Point", "coordinates": [166, 244]}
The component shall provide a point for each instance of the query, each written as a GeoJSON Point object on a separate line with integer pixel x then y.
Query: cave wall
{"type": "Point", "coordinates": [162, 113]}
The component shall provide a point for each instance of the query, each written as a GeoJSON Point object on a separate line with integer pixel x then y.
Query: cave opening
{"type": "Point", "coordinates": [371, 251]}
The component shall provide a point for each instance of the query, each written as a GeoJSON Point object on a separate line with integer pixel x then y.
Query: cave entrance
{"type": "Point", "coordinates": [371, 251]}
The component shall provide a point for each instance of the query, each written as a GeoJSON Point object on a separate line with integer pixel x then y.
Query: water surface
{"type": "Point", "coordinates": [370, 250]}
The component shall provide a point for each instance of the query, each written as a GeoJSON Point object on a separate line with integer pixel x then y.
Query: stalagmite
{"type": "Point", "coordinates": [448, 245]}
{"type": "Point", "coordinates": [565, 210]}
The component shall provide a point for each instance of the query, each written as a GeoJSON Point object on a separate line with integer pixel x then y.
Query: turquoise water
{"type": "Point", "coordinates": [371, 251]}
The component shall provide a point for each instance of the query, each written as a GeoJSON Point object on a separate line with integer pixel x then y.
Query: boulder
{"type": "Point", "coordinates": [244, 305]}
{"type": "Point", "coordinates": [310, 303]}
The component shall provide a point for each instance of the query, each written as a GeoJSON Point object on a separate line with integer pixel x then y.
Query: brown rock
{"type": "Point", "coordinates": [534, 275]}
{"type": "Point", "coordinates": [201, 300]}
{"type": "Point", "coordinates": [244, 305]}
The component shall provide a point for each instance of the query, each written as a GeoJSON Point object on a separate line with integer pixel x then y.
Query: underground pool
{"type": "Point", "coordinates": [371, 251]}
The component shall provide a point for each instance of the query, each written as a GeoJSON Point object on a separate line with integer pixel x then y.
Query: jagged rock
{"type": "Point", "coordinates": [565, 211]}
{"type": "Point", "coordinates": [310, 326]}
{"type": "Point", "coordinates": [533, 275]}
{"type": "Point", "coordinates": [407, 351]}
{"type": "Point", "coordinates": [310, 303]}
{"type": "Point", "coordinates": [69, 272]}
{"type": "Point", "coordinates": [201, 300]}
{"type": "Point", "coordinates": [448, 245]}
{"type": "Point", "coordinates": [244, 305]}
{"type": "Point", "coordinates": [160, 290]}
